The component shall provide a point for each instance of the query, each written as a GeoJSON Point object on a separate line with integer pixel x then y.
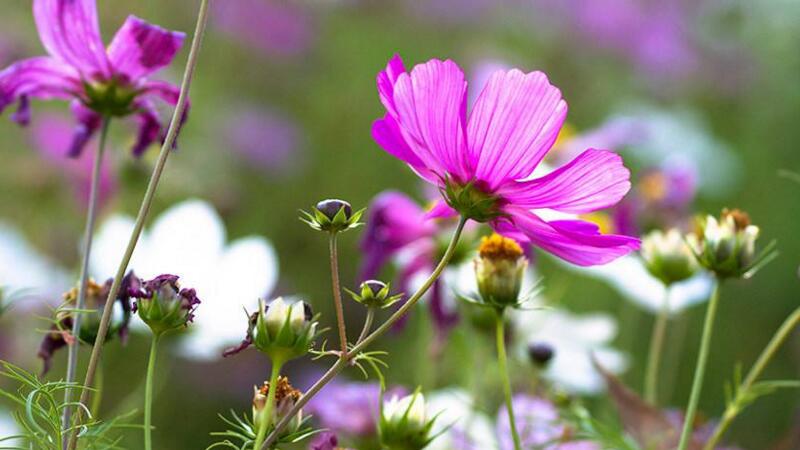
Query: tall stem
{"type": "Point", "coordinates": [502, 362]}
{"type": "Point", "coordinates": [266, 415]}
{"type": "Point", "coordinates": [148, 394]}
{"type": "Point", "coordinates": [700, 368]}
{"type": "Point", "coordinates": [342, 363]}
{"type": "Point", "coordinates": [367, 324]}
{"type": "Point", "coordinates": [337, 294]}
{"type": "Point", "coordinates": [86, 250]}
{"type": "Point", "coordinates": [766, 356]}
{"type": "Point", "coordinates": [166, 148]}
{"type": "Point", "coordinates": [656, 349]}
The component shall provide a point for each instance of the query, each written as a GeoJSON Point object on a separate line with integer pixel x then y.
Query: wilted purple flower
{"type": "Point", "coordinates": [539, 426]}
{"type": "Point", "coordinates": [51, 137]}
{"type": "Point", "coordinates": [482, 162]}
{"type": "Point", "coordinates": [99, 81]}
{"type": "Point", "coordinates": [264, 139]}
{"type": "Point", "coordinates": [273, 27]}
{"type": "Point", "coordinates": [349, 408]}
{"type": "Point", "coordinates": [162, 304]}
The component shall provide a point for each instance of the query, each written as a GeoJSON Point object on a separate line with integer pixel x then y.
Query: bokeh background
{"type": "Point", "coordinates": [282, 107]}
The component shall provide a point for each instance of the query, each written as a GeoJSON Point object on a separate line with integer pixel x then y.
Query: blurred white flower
{"type": "Point", "coordinates": [466, 428]}
{"type": "Point", "coordinates": [8, 428]}
{"type": "Point", "coordinates": [574, 339]}
{"type": "Point", "coordinates": [189, 240]}
{"type": "Point", "coordinates": [25, 271]}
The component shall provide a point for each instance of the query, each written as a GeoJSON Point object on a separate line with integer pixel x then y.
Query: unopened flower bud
{"type": "Point", "coordinates": [404, 424]}
{"type": "Point", "coordinates": [375, 294]}
{"type": "Point", "coordinates": [163, 305]}
{"type": "Point", "coordinates": [499, 269]}
{"type": "Point", "coordinates": [281, 330]}
{"type": "Point", "coordinates": [668, 257]}
{"type": "Point", "coordinates": [727, 246]}
{"type": "Point", "coordinates": [540, 354]}
{"type": "Point", "coordinates": [333, 216]}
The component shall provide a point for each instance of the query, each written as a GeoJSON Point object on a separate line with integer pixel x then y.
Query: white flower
{"type": "Point", "coordinates": [8, 427]}
{"type": "Point", "coordinates": [574, 339]}
{"type": "Point", "coordinates": [25, 271]}
{"type": "Point", "coordinates": [458, 424]}
{"type": "Point", "coordinates": [189, 240]}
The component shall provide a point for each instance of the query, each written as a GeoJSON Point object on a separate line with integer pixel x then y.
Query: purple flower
{"type": "Point", "coordinates": [324, 441]}
{"type": "Point", "coordinates": [538, 424]}
{"type": "Point", "coordinates": [161, 303]}
{"type": "Point", "coordinates": [273, 27]}
{"type": "Point", "coordinates": [99, 81]}
{"type": "Point", "coordinates": [264, 139]}
{"type": "Point", "coordinates": [485, 162]}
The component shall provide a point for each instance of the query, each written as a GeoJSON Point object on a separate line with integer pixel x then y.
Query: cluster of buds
{"type": "Point", "coordinates": [60, 333]}
{"type": "Point", "coordinates": [668, 257]}
{"type": "Point", "coordinates": [333, 216]}
{"type": "Point", "coordinates": [285, 398]}
{"type": "Point", "coordinates": [726, 246]}
{"type": "Point", "coordinates": [162, 304]}
{"type": "Point", "coordinates": [499, 269]}
{"type": "Point", "coordinates": [281, 330]}
{"type": "Point", "coordinates": [404, 423]}
{"type": "Point", "coordinates": [375, 294]}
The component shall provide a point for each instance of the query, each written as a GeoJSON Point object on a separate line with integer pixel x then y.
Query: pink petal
{"type": "Point", "coordinates": [41, 77]}
{"type": "Point", "coordinates": [513, 124]}
{"type": "Point", "coordinates": [88, 124]}
{"type": "Point", "coordinates": [149, 129]}
{"type": "Point", "coordinates": [576, 241]}
{"type": "Point", "coordinates": [140, 48]}
{"type": "Point", "coordinates": [167, 92]}
{"type": "Point", "coordinates": [386, 80]}
{"type": "Point", "coordinates": [431, 108]}
{"type": "Point", "coordinates": [594, 180]}
{"type": "Point", "coordinates": [70, 32]}
{"type": "Point", "coordinates": [388, 135]}
{"type": "Point", "coordinates": [441, 210]}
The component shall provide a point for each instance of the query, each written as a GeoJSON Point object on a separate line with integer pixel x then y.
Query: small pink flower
{"type": "Point", "coordinates": [99, 81]}
{"type": "Point", "coordinates": [483, 162]}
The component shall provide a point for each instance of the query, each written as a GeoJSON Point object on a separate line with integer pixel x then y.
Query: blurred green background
{"type": "Point", "coordinates": [325, 84]}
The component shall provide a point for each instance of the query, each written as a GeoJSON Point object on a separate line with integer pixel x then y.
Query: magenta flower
{"type": "Point", "coordinates": [111, 82]}
{"type": "Point", "coordinates": [483, 162]}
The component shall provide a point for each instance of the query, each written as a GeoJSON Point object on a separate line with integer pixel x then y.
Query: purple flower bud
{"type": "Point", "coordinates": [331, 207]}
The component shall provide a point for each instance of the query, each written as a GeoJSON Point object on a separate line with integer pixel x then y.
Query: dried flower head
{"type": "Point", "coordinates": [162, 304]}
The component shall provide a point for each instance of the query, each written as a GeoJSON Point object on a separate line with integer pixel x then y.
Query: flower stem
{"type": "Point", "coordinates": [656, 349]}
{"type": "Point", "coordinates": [342, 363]}
{"type": "Point", "coordinates": [266, 414]}
{"type": "Point", "coordinates": [700, 368]}
{"type": "Point", "coordinates": [502, 362]}
{"type": "Point", "coordinates": [337, 294]}
{"type": "Point", "coordinates": [367, 324]}
{"type": "Point", "coordinates": [148, 394]}
{"type": "Point", "coordinates": [743, 391]}
{"type": "Point", "coordinates": [99, 382]}
{"type": "Point", "coordinates": [166, 148]}
{"type": "Point", "coordinates": [86, 250]}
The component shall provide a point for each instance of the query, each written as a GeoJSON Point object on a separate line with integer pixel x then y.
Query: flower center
{"type": "Point", "coordinates": [471, 201]}
{"type": "Point", "coordinates": [497, 247]}
{"type": "Point", "coordinates": [113, 97]}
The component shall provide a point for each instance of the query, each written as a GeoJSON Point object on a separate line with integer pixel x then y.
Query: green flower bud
{"type": "Point", "coordinates": [727, 246]}
{"type": "Point", "coordinates": [499, 269]}
{"type": "Point", "coordinates": [668, 257]}
{"type": "Point", "coordinates": [332, 216]}
{"type": "Point", "coordinates": [404, 424]}
{"type": "Point", "coordinates": [163, 305]}
{"type": "Point", "coordinates": [375, 294]}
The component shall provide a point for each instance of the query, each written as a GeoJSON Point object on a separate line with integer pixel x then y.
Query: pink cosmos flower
{"type": "Point", "coordinates": [99, 81]}
{"type": "Point", "coordinates": [483, 161]}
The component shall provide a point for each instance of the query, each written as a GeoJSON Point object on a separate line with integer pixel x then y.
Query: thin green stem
{"type": "Point", "coordinates": [367, 324]}
{"type": "Point", "coordinates": [656, 350]}
{"type": "Point", "coordinates": [700, 368]}
{"type": "Point", "coordinates": [502, 361]}
{"type": "Point", "coordinates": [342, 363]}
{"type": "Point", "coordinates": [97, 399]}
{"type": "Point", "coordinates": [766, 356]}
{"type": "Point", "coordinates": [86, 250]}
{"type": "Point", "coordinates": [337, 294]}
{"type": "Point", "coordinates": [148, 393]}
{"type": "Point", "coordinates": [266, 414]}
{"type": "Point", "coordinates": [166, 149]}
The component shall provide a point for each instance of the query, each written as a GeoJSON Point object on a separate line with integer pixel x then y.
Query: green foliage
{"type": "Point", "coordinates": [39, 411]}
{"type": "Point", "coordinates": [241, 433]}
{"type": "Point", "coordinates": [608, 437]}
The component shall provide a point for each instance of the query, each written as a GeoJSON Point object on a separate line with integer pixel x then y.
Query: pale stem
{"type": "Point", "coordinates": [656, 350]}
{"type": "Point", "coordinates": [337, 294]}
{"type": "Point", "coordinates": [367, 324]}
{"type": "Point", "coordinates": [502, 361]}
{"type": "Point", "coordinates": [166, 149]}
{"type": "Point", "coordinates": [700, 368]}
{"type": "Point", "coordinates": [148, 394]}
{"type": "Point", "coordinates": [342, 363]}
{"type": "Point", "coordinates": [86, 250]}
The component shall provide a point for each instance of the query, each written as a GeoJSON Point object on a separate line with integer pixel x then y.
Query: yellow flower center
{"type": "Point", "coordinates": [603, 221]}
{"type": "Point", "coordinates": [499, 247]}
{"type": "Point", "coordinates": [653, 187]}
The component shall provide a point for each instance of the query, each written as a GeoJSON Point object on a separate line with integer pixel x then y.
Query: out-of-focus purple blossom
{"type": "Point", "coordinates": [324, 441]}
{"type": "Point", "coordinates": [349, 409]}
{"type": "Point", "coordinates": [451, 11]}
{"type": "Point", "coordinates": [99, 81]}
{"type": "Point", "coordinates": [539, 426]}
{"type": "Point", "coordinates": [51, 137]}
{"type": "Point", "coordinates": [270, 26]}
{"type": "Point", "coordinates": [265, 139]}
